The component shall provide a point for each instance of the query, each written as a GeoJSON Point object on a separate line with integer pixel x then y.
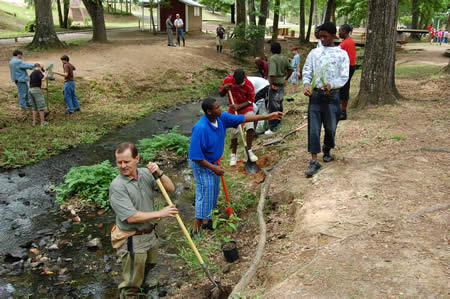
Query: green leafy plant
{"type": "Point", "coordinates": [229, 224]}
{"type": "Point", "coordinates": [172, 141]}
{"type": "Point", "coordinates": [245, 40]}
{"type": "Point", "coordinates": [89, 183]}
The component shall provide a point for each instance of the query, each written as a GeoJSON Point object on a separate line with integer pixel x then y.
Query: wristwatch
{"type": "Point", "coordinates": [160, 176]}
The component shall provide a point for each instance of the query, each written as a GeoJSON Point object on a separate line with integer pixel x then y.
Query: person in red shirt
{"type": "Point", "coordinates": [243, 94]}
{"type": "Point", "coordinates": [349, 46]}
{"type": "Point", "coordinates": [263, 67]}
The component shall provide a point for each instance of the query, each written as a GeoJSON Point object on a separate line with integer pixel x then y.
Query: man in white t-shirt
{"type": "Point", "coordinates": [261, 86]}
{"type": "Point", "coordinates": [179, 25]}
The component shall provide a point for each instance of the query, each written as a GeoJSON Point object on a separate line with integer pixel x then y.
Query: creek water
{"type": "Point", "coordinates": [29, 217]}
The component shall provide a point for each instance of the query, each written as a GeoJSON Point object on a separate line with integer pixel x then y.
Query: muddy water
{"type": "Point", "coordinates": [30, 217]}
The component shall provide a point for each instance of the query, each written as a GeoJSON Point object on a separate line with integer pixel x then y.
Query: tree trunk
{"type": "Point", "coordinates": [276, 18]}
{"type": "Point", "coordinates": [378, 75]}
{"type": "Point", "coordinates": [240, 13]}
{"type": "Point", "coordinates": [316, 18]}
{"type": "Point", "coordinates": [264, 10]}
{"type": "Point", "coordinates": [302, 21]}
{"type": "Point", "coordinates": [126, 6]}
{"type": "Point", "coordinates": [45, 34]}
{"type": "Point", "coordinates": [232, 7]}
{"type": "Point", "coordinates": [151, 18]}
{"type": "Point", "coordinates": [329, 10]}
{"type": "Point", "coordinates": [95, 10]}
{"type": "Point", "coordinates": [333, 13]}
{"type": "Point", "coordinates": [311, 9]}
{"type": "Point", "coordinates": [66, 13]}
{"type": "Point", "coordinates": [60, 16]}
{"type": "Point", "coordinates": [448, 22]}
{"type": "Point", "coordinates": [251, 12]}
{"type": "Point", "coordinates": [415, 18]}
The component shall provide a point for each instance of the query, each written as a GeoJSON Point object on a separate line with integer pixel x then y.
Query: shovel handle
{"type": "Point", "coordinates": [235, 112]}
{"type": "Point", "coordinates": [180, 222]}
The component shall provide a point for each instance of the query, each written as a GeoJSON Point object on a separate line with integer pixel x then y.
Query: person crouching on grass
{"type": "Point", "coordinates": [327, 64]}
{"type": "Point", "coordinates": [206, 149]}
{"type": "Point", "coordinates": [36, 96]}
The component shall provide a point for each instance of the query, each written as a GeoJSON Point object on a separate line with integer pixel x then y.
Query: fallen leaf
{"type": "Point", "coordinates": [101, 211]}
{"type": "Point", "coordinates": [35, 250]}
{"type": "Point", "coordinates": [76, 219]}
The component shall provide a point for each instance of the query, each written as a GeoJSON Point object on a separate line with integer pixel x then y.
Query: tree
{"type": "Point", "coordinates": [251, 12]}
{"type": "Point", "coordinates": [415, 18]}
{"type": "Point", "coordinates": [276, 18]}
{"type": "Point", "coordinates": [378, 75]}
{"type": "Point", "coordinates": [45, 34]}
{"type": "Point", "coordinates": [241, 14]}
{"type": "Point", "coordinates": [302, 21]}
{"type": "Point", "coordinates": [95, 10]}
{"type": "Point", "coordinates": [330, 10]}
{"type": "Point", "coordinates": [263, 11]}
{"type": "Point", "coordinates": [66, 6]}
{"type": "Point", "coordinates": [311, 11]}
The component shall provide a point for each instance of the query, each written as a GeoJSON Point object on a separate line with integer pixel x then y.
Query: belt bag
{"type": "Point", "coordinates": [120, 236]}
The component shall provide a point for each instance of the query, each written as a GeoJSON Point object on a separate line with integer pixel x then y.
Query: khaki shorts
{"type": "Point", "coordinates": [219, 41]}
{"type": "Point", "coordinates": [37, 99]}
{"type": "Point", "coordinates": [247, 126]}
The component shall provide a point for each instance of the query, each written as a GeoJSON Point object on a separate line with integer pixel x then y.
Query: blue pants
{"type": "Point", "coordinates": [206, 190]}
{"type": "Point", "coordinates": [324, 110]}
{"type": "Point", "coordinates": [180, 34]}
{"type": "Point", "coordinates": [70, 97]}
{"type": "Point", "coordinates": [22, 94]}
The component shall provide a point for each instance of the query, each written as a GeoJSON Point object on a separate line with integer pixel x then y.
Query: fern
{"type": "Point", "coordinates": [172, 141]}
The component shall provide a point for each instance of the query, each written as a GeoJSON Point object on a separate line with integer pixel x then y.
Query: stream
{"type": "Point", "coordinates": [61, 264]}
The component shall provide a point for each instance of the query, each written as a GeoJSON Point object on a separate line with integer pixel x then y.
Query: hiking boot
{"type": "Point", "coordinates": [313, 168]}
{"type": "Point", "coordinates": [208, 225]}
{"type": "Point", "coordinates": [217, 49]}
{"type": "Point", "coordinates": [233, 159]}
{"type": "Point", "coordinates": [327, 157]}
{"type": "Point", "coordinates": [77, 110]}
{"type": "Point", "coordinates": [343, 115]}
{"type": "Point", "coordinates": [252, 156]}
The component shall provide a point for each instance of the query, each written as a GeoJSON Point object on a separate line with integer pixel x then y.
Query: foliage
{"type": "Point", "coordinates": [173, 141]}
{"type": "Point", "coordinates": [229, 224]}
{"type": "Point", "coordinates": [245, 40]}
{"type": "Point", "coordinates": [355, 9]}
{"type": "Point", "coordinates": [30, 26]}
{"type": "Point", "coordinates": [90, 183]}
{"type": "Point", "coordinates": [217, 4]}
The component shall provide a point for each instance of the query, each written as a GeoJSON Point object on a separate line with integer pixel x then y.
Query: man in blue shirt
{"type": "Point", "coordinates": [18, 69]}
{"type": "Point", "coordinates": [206, 149]}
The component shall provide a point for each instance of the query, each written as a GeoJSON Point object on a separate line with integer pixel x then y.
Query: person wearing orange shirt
{"type": "Point", "coordinates": [347, 45]}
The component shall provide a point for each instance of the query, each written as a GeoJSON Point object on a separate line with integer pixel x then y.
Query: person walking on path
{"type": "Point", "coordinates": [206, 149]}
{"type": "Point", "coordinates": [220, 33]}
{"type": "Point", "coordinates": [36, 96]}
{"type": "Point", "coordinates": [439, 35]}
{"type": "Point", "coordinates": [349, 46]}
{"type": "Point", "coordinates": [131, 196]}
{"type": "Point", "coordinates": [296, 74]}
{"type": "Point", "coordinates": [243, 94]}
{"type": "Point", "coordinates": [18, 69]}
{"type": "Point", "coordinates": [70, 96]}
{"type": "Point", "coordinates": [179, 26]}
{"type": "Point", "coordinates": [169, 26]}
{"type": "Point", "coordinates": [279, 72]}
{"type": "Point", "coordinates": [445, 40]}
{"type": "Point", "coordinates": [432, 33]}
{"type": "Point", "coordinates": [263, 67]}
{"type": "Point", "coordinates": [328, 66]}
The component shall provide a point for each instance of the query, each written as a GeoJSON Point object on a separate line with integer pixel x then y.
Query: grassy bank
{"type": "Point", "coordinates": [107, 104]}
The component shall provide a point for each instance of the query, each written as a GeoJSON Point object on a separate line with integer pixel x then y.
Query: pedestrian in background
{"type": "Point", "coordinates": [169, 26]}
{"type": "Point", "coordinates": [179, 27]}
{"type": "Point", "coordinates": [220, 33]}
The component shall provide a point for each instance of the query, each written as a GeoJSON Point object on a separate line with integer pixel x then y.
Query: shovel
{"type": "Point", "coordinates": [288, 134]}
{"type": "Point", "coordinates": [250, 167]}
{"type": "Point", "coordinates": [217, 288]}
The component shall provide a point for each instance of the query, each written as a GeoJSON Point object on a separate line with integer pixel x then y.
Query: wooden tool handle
{"type": "Point", "coordinates": [235, 112]}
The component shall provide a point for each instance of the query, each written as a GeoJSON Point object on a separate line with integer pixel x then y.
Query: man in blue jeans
{"type": "Point", "coordinates": [179, 25]}
{"type": "Point", "coordinates": [18, 69]}
{"type": "Point", "coordinates": [329, 67]}
{"type": "Point", "coordinates": [69, 86]}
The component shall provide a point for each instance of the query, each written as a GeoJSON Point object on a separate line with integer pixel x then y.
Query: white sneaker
{"type": "Point", "coordinates": [233, 159]}
{"type": "Point", "coordinates": [268, 132]}
{"type": "Point", "coordinates": [252, 156]}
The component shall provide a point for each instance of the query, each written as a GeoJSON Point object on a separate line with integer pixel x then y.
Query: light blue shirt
{"type": "Point", "coordinates": [18, 69]}
{"type": "Point", "coordinates": [295, 61]}
{"type": "Point", "coordinates": [329, 65]}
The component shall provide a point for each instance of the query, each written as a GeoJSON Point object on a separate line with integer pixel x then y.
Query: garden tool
{"type": "Point", "coordinates": [250, 167]}
{"type": "Point", "coordinates": [217, 288]}
{"type": "Point", "coordinates": [281, 138]}
{"type": "Point", "coordinates": [229, 209]}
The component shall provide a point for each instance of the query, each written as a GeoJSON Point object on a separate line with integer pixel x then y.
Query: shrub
{"type": "Point", "coordinates": [245, 40]}
{"type": "Point", "coordinates": [30, 26]}
{"type": "Point", "coordinates": [90, 183]}
{"type": "Point", "coordinates": [172, 141]}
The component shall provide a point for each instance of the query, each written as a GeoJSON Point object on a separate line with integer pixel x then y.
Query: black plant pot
{"type": "Point", "coordinates": [230, 252]}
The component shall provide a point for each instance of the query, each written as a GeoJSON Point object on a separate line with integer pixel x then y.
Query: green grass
{"type": "Point", "coordinates": [399, 137]}
{"type": "Point", "coordinates": [416, 71]}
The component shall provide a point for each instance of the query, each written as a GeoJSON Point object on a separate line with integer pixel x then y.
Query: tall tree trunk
{"type": "Point", "coordinates": [302, 21]}
{"type": "Point", "coordinates": [311, 9]}
{"type": "Point", "coordinates": [276, 18]}
{"type": "Point", "coordinates": [329, 10]}
{"type": "Point", "coordinates": [151, 18]}
{"type": "Point", "coordinates": [333, 12]}
{"type": "Point", "coordinates": [232, 8]}
{"type": "Point", "coordinates": [66, 13]}
{"type": "Point", "coordinates": [415, 18]}
{"type": "Point", "coordinates": [251, 12]}
{"type": "Point", "coordinates": [241, 15]}
{"type": "Point", "coordinates": [60, 16]}
{"type": "Point", "coordinates": [95, 10]}
{"type": "Point", "coordinates": [126, 6]}
{"type": "Point", "coordinates": [264, 10]}
{"type": "Point", "coordinates": [316, 18]}
{"type": "Point", "coordinates": [45, 34]}
{"type": "Point", "coordinates": [378, 75]}
{"type": "Point", "coordinates": [448, 22]}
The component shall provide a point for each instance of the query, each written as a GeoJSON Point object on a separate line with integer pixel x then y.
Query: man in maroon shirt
{"type": "Point", "coordinates": [243, 94]}
{"type": "Point", "coordinates": [349, 46]}
{"type": "Point", "coordinates": [263, 67]}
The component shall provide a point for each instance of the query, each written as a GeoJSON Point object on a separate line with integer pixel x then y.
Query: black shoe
{"type": "Point", "coordinates": [343, 115]}
{"type": "Point", "coordinates": [327, 157]}
{"type": "Point", "coordinates": [313, 168]}
{"type": "Point", "coordinates": [77, 110]}
{"type": "Point", "coordinates": [67, 113]}
{"type": "Point", "coordinates": [208, 225]}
